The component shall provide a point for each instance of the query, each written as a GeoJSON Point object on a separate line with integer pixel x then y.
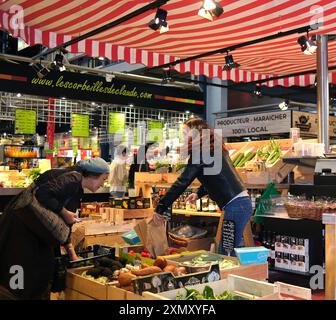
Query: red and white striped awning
{"type": "Point", "coordinates": [52, 22]}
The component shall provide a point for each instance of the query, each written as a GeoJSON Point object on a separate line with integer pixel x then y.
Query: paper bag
{"type": "Point", "coordinates": [153, 236]}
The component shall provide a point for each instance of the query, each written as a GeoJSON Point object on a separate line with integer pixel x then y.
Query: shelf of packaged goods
{"type": "Point", "coordinates": [196, 213]}
{"type": "Point", "coordinates": [303, 274]}
{"type": "Point", "coordinates": [25, 158]}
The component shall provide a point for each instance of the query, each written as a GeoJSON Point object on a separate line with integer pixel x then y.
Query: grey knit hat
{"type": "Point", "coordinates": [94, 165]}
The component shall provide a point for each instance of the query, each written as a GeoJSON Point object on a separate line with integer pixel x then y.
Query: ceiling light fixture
{"type": "Point", "coordinates": [257, 91]}
{"type": "Point", "coordinates": [229, 63]}
{"type": "Point", "coordinates": [159, 22]}
{"type": "Point", "coordinates": [308, 47]}
{"type": "Point", "coordinates": [109, 77]}
{"type": "Point", "coordinates": [58, 63]}
{"type": "Point", "coordinates": [284, 105]}
{"type": "Point", "coordinates": [166, 77]}
{"type": "Point", "coordinates": [41, 71]}
{"type": "Point", "coordinates": [210, 9]}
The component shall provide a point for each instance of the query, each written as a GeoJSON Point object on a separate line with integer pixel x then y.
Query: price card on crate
{"type": "Point", "coordinates": [228, 236]}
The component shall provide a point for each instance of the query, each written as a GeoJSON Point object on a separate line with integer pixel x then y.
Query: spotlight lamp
{"type": "Point", "coordinates": [229, 63]}
{"type": "Point", "coordinates": [284, 105]}
{"type": "Point", "coordinates": [257, 91]}
{"type": "Point", "coordinates": [160, 21]}
{"type": "Point", "coordinates": [308, 47]}
{"type": "Point", "coordinates": [41, 71]}
{"type": "Point", "coordinates": [58, 62]}
{"type": "Point", "coordinates": [166, 77]}
{"type": "Point", "coordinates": [210, 9]}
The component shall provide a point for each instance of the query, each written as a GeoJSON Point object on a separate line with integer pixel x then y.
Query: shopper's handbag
{"type": "Point", "coordinates": [44, 223]}
{"type": "Point", "coordinates": [59, 278]}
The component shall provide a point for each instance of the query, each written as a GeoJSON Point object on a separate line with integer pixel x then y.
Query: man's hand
{"type": "Point", "coordinates": [192, 198]}
{"type": "Point", "coordinates": [69, 217]}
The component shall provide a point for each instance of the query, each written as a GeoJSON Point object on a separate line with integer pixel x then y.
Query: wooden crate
{"type": "Point", "coordinates": [121, 293]}
{"type": "Point", "coordinates": [286, 291]}
{"type": "Point", "coordinates": [243, 287]}
{"type": "Point", "coordinates": [70, 294]}
{"type": "Point", "coordinates": [147, 177]}
{"type": "Point", "coordinates": [109, 239]}
{"type": "Point", "coordinates": [86, 287]}
{"type": "Point", "coordinates": [258, 178]}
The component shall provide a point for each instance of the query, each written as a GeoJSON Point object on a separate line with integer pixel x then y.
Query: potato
{"type": "Point", "coordinates": [169, 268]}
{"type": "Point", "coordinates": [125, 279]}
{"type": "Point", "coordinates": [160, 262]}
{"type": "Point", "coordinates": [180, 271]}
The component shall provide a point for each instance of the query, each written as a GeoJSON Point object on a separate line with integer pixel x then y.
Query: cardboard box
{"type": "Point", "coordinates": [252, 255]}
{"type": "Point", "coordinates": [131, 237]}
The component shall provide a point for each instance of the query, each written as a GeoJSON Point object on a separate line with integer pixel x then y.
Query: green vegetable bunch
{"type": "Point", "coordinates": [208, 294]}
{"type": "Point", "coordinates": [270, 153]}
{"type": "Point", "coordinates": [33, 174]}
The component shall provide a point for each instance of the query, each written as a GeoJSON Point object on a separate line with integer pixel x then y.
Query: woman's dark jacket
{"type": "Point", "coordinates": [21, 244]}
{"type": "Point", "coordinates": [221, 187]}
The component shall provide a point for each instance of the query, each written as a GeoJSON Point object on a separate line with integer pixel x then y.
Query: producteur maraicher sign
{"type": "Point", "coordinates": [255, 124]}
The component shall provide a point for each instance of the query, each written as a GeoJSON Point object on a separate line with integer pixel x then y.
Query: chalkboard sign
{"type": "Point", "coordinates": [228, 235]}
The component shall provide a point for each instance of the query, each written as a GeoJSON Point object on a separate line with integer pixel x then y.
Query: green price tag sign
{"type": "Point", "coordinates": [135, 136]}
{"type": "Point", "coordinates": [25, 121]}
{"type": "Point", "coordinates": [116, 122]}
{"type": "Point", "coordinates": [155, 131]}
{"type": "Point", "coordinates": [80, 125]}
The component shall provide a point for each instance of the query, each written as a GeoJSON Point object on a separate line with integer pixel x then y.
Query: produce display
{"type": "Point", "coordinates": [18, 152]}
{"type": "Point", "coordinates": [268, 154]}
{"type": "Point", "coordinates": [205, 260]}
{"type": "Point", "coordinates": [207, 294]}
{"type": "Point", "coordinates": [106, 270]}
{"type": "Point", "coordinates": [33, 174]}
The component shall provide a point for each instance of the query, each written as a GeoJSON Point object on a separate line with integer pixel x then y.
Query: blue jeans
{"type": "Point", "coordinates": [117, 194]}
{"type": "Point", "coordinates": [239, 211]}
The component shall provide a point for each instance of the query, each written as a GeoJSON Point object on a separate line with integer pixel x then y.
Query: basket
{"type": "Point", "coordinates": [302, 211]}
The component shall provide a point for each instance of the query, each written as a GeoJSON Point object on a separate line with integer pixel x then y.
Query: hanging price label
{"type": "Point", "coordinates": [80, 125]}
{"type": "Point", "coordinates": [25, 121]}
{"type": "Point", "coordinates": [116, 122]}
{"type": "Point", "coordinates": [155, 131]}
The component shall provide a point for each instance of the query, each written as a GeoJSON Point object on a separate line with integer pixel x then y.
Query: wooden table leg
{"type": "Point", "coordinates": [330, 257]}
{"type": "Point", "coordinates": [247, 235]}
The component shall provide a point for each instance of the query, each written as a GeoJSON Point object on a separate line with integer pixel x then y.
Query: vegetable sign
{"type": "Point", "coordinates": [25, 121]}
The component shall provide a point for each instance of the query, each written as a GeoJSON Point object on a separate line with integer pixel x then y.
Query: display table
{"type": "Point", "coordinates": [330, 255]}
